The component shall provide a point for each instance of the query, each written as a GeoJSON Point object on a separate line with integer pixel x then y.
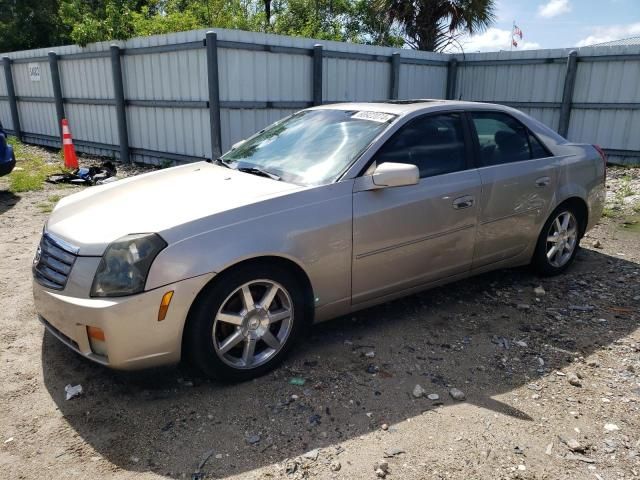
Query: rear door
{"type": "Point", "coordinates": [411, 235]}
{"type": "Point", "coordinates": [518, 184]}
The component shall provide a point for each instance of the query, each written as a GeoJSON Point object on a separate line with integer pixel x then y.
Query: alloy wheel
{"type": "Point", "coordinates": [253, 324]}
{"type": "Point", "coordinates": [562, 239]}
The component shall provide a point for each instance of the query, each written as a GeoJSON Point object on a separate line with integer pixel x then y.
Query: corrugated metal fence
{"type": "Point", "coordinates": [190, 95]}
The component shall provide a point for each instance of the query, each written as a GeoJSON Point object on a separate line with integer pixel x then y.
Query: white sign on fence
{"type": "Point", "coordinates": [34, 72]}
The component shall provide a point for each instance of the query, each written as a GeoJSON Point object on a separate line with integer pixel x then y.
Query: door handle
{"type": "Point", "coordinates": [463, 202]}
{"type": "Point", "coordinates": [543, 181]}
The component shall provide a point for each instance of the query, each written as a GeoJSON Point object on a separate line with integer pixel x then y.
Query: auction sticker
{"type": "Point", "coordinates": [373, 116]}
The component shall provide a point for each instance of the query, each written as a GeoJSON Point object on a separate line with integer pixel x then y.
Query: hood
{"type": "Point", "coordinates": [155, 202]}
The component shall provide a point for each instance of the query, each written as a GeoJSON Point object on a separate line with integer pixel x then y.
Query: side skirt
{"type": "Point", "coordinates": [343, 307]}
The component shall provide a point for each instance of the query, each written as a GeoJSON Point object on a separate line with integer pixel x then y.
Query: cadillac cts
{"type": "Point", "coordinates": [330, 210]}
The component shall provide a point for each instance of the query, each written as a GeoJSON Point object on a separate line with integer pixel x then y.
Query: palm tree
{"type": "Point", "coordinates": [433, 25]}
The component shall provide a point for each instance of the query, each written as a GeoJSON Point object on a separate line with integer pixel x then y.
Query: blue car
{"type": "Point", "coordinates": [7, 157]}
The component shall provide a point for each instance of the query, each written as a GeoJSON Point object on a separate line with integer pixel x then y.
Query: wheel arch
{"type": "Point", "coordinates": [581, 209]}
{"type": "Point", "coordinates": [287, 263]}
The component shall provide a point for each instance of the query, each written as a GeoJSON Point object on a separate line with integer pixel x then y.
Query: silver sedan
{"type": "Point", "coordinates": [331, 210]}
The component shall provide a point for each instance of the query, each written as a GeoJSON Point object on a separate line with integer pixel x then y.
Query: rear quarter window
{"type": "Point", "coordinates": [503, 139]}
{"type": "Point", "coordinates": [538, 150]}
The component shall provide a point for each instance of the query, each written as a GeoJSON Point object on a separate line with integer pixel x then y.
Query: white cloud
{"type": "Point", "coordinates": [553, 8]}
{"type": "Point", "coordinates": [491, 40]}
{"type": "Point", "coordinates": [609, 33]}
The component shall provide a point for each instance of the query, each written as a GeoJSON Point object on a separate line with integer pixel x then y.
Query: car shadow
{"type": "Point", "coordinates": [485, 336]}
{"type": "Point", "coordinates": [8, 200]}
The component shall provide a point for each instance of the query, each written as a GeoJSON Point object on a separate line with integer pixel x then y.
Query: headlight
{"type": "Point", "coordinates": [125, 264]}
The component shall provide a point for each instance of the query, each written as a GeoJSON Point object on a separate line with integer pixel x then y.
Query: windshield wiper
{"type": "Point", "coordinates": [258, 171]}
{"type": "Point", "coordinates": [253, 170]}
{"type": "Point", "coordinates": [221, 162]}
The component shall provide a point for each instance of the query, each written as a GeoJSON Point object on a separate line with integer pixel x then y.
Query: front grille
{"type": "Point", "coordinates": [53, 263]}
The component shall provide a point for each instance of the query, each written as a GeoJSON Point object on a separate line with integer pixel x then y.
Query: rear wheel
{"type": "Point", "coordinates": [246, 322]}
{"type": "Point", "coordinates": [558, 242]}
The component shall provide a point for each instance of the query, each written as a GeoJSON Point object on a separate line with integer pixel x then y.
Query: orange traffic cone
{"type": "Point", "coordinates": [70, 158]}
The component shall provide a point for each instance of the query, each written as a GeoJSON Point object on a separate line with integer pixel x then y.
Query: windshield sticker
{"type": "Point", "coordinates": [373, 116]}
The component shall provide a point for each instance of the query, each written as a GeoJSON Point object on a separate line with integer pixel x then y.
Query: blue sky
{"type": "Point", "coordinates": [558, 23]}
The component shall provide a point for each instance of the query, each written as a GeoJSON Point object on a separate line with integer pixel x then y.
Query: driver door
{"type": "Point", "coordinates": [412, 235]}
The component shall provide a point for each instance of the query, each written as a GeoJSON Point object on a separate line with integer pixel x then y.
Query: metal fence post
{"type": "Point", "coordinates": [214, 94]}
{"type": "Point", "coordinates": [121, 112]}
{"type": "Point", "coordinates": [317, 74]}
{"type": "Point", "coordinates": [11, 93]}
{"type": "Point", "coordinates": [452, 77]}
{"type": "Point", "coordinates": [567, 93]}
{"type": "Point", "coordinates": [57, 89]}
{"type": "Point", "coordinates": [394, 86]}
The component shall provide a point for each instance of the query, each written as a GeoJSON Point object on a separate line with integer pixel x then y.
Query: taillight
{"type": "Point", "coordinates": [604, 158]}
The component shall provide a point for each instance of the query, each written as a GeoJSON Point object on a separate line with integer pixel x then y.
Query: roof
{"type": "Point", "coordinates": [402, 107]}
{"type": "Point", "coordinates": [622, 41]}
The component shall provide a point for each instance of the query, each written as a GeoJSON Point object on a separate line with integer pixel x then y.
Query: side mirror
{"type": "Point", "coordinates": [395, 175]}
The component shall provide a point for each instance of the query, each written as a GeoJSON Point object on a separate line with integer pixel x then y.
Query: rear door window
{"type": "Point", "coordinates": [503, 139]}
{"type": "Point", "coordinates": [433, 143]}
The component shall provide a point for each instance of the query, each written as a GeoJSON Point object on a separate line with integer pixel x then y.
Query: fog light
{"type": "Point", "coordinates": [164, 305]}
{"type": "Point", "coordinates": [97, 341]}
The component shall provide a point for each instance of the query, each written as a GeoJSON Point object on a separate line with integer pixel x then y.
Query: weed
{"type": "Point", "coordinates": [46, 207]}
{"type": "Point", "coordinates": [625, 189]}
{"type": "Point", "coordinates": [49, 205]}
{"type": "Point", "coordinates": [31, 169]}
{"type": "Point", "coordinates": [631, 224]}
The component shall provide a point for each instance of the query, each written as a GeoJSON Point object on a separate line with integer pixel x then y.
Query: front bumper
{"type": "Point", "coordinates": [134, 338]}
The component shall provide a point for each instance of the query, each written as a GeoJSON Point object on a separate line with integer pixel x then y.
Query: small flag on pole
{"type": "Point", "coordinates": [516, 31]}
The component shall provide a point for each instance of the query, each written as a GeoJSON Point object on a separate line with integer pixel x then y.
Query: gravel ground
{"type": "Point", "coordinates": [549, 369]}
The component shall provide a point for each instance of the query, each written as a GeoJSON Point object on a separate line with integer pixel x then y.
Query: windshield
{"type": "Point", "coordinates": [312, 147]}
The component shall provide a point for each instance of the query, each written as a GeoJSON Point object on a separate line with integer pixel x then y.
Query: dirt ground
{"type": "Point", "coordinates": [551, 381]}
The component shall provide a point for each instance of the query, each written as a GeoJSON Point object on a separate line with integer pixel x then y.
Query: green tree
{"type": "Point", "coordinates": [366, 25]}
{"type": "Point", "coordinates": [97, 20]}
{"type": "Point", "coordinates": [435, 24]}
{"type": "Point", "coordinates": [355, 21]}
{"type": "Point", "coordinates": [42, 23]}
{"type": "Point", "coordinates": [148, 23]}
{"type": "Point", "coordinates": [26, 24]}
{"type": "Point", "coordinates": [180, 15]}
{"type": "Point", "coordinates": [320, 19]}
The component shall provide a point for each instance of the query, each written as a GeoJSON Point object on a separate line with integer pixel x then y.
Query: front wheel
{"type": "Point", "coordinates": [245, 323]}
{"type": "Point", "coordinates": [558, 242]}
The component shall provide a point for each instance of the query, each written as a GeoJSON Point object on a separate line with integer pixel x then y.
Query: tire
{"type": "Point", "coordinates": [221, 327]}
{"type": "Point", "coordinates": [545, 260]}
